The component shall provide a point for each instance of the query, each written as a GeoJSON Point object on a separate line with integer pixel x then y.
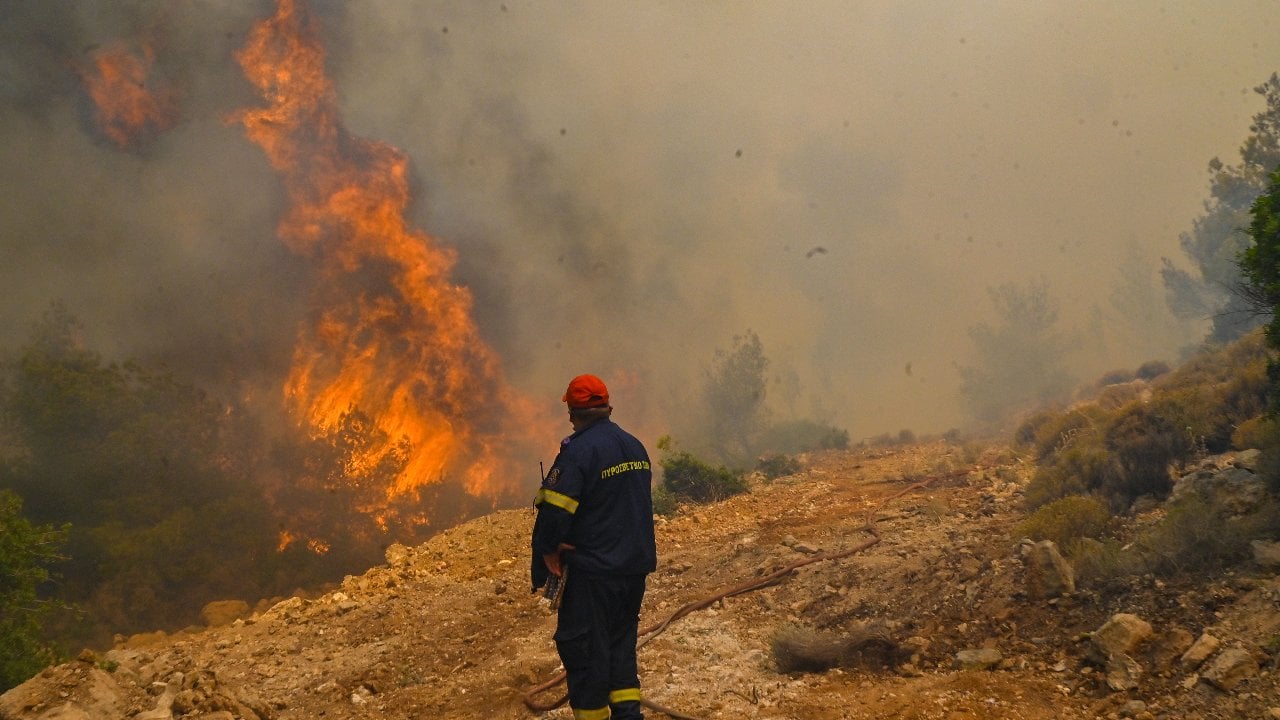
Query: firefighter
{"type": "Point", "coordinates": [594, 530]}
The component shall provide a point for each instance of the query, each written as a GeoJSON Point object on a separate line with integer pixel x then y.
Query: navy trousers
{"type": "Point", "coordinates": [596, 639]}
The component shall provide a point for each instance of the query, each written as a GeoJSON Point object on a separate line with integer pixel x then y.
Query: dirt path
{"type": "Point", "coordinates": [448, 630]}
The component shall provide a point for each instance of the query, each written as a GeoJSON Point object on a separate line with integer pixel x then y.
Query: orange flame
{"type": "Point", "coordinates": [127, 108]}
{"type": "Point", "coordinates": [390, 334]}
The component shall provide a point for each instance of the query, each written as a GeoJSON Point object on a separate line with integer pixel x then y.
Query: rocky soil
{"type": "Point", "coordinates": [449, 629]}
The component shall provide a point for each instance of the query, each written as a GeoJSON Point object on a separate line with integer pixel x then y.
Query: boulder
{"type": "Point", "coordinates": [1266, 554]}
{"type": "Point", "coordinates": [102, 698]}
{"type": "Point", "coordinates": [1170, 646]}
{"type": "Point", "coordinates": [397, 555]}
{"type": "Point", "coordinates": [1235, 488]}
{"type": "Point", "coordinates": [223, 612]}
{"type": "Point", "coordinates": [1230, 668]}
{"type": "Point", "coordinates": [1048, 574]}
{"type": "Point", "coordinates": [1248, 459]}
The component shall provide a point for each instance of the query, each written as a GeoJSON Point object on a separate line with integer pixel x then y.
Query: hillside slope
{"type": "Point", "coordinates": [449, 630]}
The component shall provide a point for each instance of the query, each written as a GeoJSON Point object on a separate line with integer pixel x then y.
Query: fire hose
{"type": "Point", "coordinates": [773, 578]}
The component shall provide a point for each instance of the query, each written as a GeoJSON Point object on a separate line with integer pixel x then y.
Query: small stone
{"type": "Point", "coordinates": [1123, 672]}
{"type": "Point", "coordinates": [978, 659]}
{"type": "Point", "coordinates": [1200, 650]}
{"type": "Point", "coordinates": [1133, 708]}
{"type": "Point", "coordinates": [1122, 634]}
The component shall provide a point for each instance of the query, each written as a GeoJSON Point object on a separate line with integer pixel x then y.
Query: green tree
{"type": "Point", "coordinates": [1261, 265]}
{"type": "Point", "coordinates": [164, 516]}
{"type": "Point", "coordinates": [734, 391]}
{"type": "Point", "coordinates": [1021, 362]}
{"type": "Point", "coordinates": [27, 552]}
{"type": "Point", "coordinates": [1216, 238]}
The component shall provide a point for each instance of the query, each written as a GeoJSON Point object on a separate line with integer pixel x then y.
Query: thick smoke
{"type": "Point", "coordinates": [629, 185]}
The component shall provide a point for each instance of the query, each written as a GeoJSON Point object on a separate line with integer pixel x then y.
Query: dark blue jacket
{"type": "Point", "coordinates": [597, 497]}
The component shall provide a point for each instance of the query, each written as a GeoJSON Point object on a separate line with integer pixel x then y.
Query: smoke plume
{"type": "Point", "coordinates": [627, 186]}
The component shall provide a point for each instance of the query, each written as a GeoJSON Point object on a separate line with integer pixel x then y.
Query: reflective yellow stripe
{"type": "Point", "coordinates": [596, 714]}
{"type": "Point", "coordinates": [560, 500]}
{"type": "Point", "coordinates": [624, 695]}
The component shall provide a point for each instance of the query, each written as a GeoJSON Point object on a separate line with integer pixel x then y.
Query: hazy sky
{"type": "Point", "coordinates": [629, 185]}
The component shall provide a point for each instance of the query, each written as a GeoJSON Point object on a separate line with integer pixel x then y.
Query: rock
{"type": "Point", "coordinates": [1123, 672]}
{"type": "Point", "coordinates": [1048, 574]}
{"type": "Point", "coordinates": [1122, 634]}
{"type": "Point", "coordinates": [1200, 650]}
{"type": "Point", "coordinates": [223, 612]}
{"type": "Point", "coordinates": [1266, 554]}
{"type": "Point", "coordinates": [1274, 713]}
{"type": "Point", "coordinates": [978, 659]}
{"type": "Point", "coordinates": [1235, 488]}
{"type": "Point", "coordinates": [1248, 459]}
{"type": "Point", "coordinates": [397, 555]}
{"type": "Point", "coordinates": [1170, 646]}
{"type": "Point", "coordinates": [101, 698]}
{"type": "Point", "coordinates": [1133, 708]}
{"type": "Point", "coordinates": [1231, 667]}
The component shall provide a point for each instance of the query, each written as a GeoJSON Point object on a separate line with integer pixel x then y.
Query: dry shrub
{"type": "Point", "coordinates": [1076, 471]}
{"type": "Point", "coordinates": [1199, 533]}
{"type": "Point", "coordinates": [1067, 519]}
{"type": "Point", "coordinates": [1142, 443]}
{"type": "Point", "coordinates": [802, 649]}
{"type": "Point", "coordinates": [1103, 563]}
{"type": "Point", "coordinates": [776, 466]}
{"type": "Point", "coordinates": [1115, 397]}
{"type": "Point", "coordinates": [1152, 369]}
{"type": "Point", "coordinates": [1253, 433]}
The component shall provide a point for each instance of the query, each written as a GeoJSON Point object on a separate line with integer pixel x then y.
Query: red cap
{"type": "Point", "coordinates": [586, 391]}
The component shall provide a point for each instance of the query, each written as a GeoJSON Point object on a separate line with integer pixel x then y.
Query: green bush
{"type": "Point", "coordinates": [26, 553]}
{"type": "Point", "coordinates": [776, 466]}
{"type": "Point", "coordinates": [797, 436]}
{"type": "Point", "coordinates": [1067, 519]}
{"type": "Point", "coordinates": [689, 479]}
{"type": "Point", "coordinates": [664, 503]}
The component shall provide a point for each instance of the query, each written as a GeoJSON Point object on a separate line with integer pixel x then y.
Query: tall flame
{"type": "Point", "coordinates": [129, 105]}
{"type": "Point", "coordinates": [389, 333]}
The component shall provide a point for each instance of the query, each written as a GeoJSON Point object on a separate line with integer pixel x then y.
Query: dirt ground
{"type": "Point", "coordinates": [448, 630]}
